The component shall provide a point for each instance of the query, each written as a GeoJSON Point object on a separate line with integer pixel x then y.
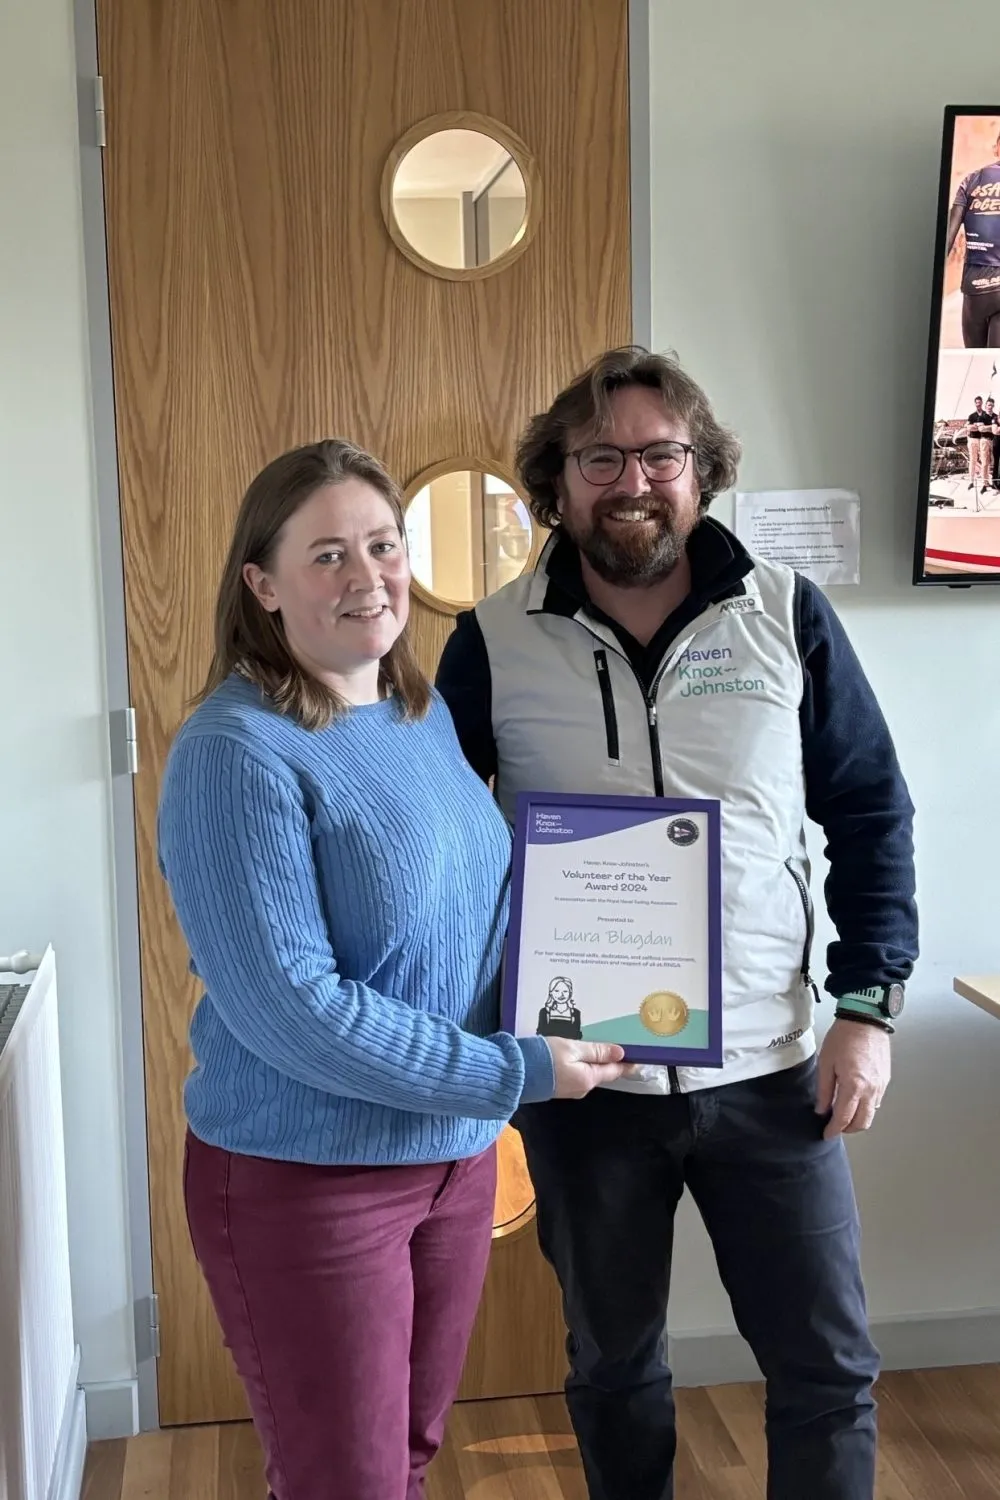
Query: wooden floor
{"type": "Point", "coordinates": [940, 1440]}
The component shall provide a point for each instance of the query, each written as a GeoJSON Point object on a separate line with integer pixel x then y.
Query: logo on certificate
{"type": "Point", "coordinates": [683, 832]}
{"type": "Point", "coordinates": [664, 1013]}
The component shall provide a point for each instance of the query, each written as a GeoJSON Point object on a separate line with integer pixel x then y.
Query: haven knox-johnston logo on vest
{"type": "Point", "coordinates": [703, 673]}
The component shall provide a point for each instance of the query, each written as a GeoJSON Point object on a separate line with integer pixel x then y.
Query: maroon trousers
{"type": "Point", "coordinates": [347, 1296]}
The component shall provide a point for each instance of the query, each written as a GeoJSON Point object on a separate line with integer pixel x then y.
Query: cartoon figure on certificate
{"type": "Point", "coordinates": [559, 1016]}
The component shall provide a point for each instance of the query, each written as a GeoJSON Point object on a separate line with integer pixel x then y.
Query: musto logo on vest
{"type": "Point", "coordinates": [704, 672]}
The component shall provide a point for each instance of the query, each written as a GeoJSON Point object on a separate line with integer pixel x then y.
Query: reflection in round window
{"type": "Point", "coordinates": [459, 199]}
{"type": "Point", "coordinates": [468, 533]}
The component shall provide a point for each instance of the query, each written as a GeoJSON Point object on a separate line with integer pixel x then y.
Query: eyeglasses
{"type": "Point", "coordinates": [603, 463]}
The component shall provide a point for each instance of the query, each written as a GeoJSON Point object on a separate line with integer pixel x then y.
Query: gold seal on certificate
{"type": "Point", "coordinates": [664, 1013]}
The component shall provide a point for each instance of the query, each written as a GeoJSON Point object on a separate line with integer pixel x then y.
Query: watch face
{"type": "Point", "coordinates": [894, 1000]}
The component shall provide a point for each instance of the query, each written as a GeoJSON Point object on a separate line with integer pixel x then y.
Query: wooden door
{"type": "Point", "coordinates": [258, 301]}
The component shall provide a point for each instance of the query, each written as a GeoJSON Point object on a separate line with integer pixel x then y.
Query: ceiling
{"type": "Point", "coordinates": [452, 162]}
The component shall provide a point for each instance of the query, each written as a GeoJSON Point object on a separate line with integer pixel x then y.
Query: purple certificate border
{"type": "Point", "coordinates": [698, 1057]}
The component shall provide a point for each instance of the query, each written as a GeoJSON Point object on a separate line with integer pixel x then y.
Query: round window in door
{"type": "Point", "coordinates": [469, 532]}
{"type": "Point", "coordinates": [461, 196]}
{"type": "Point", "coordinates": [514, 1206]}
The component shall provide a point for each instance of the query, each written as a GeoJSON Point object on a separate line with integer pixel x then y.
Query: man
{"type": "Point", "coordinates": [980, 446]}
{"type": "Point", "coordinates": [992, 432]}
{"type": "Point", "coordinates": [635, 579]}
{"type": "Point", "coordinates": [976, 209]}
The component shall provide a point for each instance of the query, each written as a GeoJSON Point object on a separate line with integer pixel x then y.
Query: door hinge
{"type": "Point", "coordinates": [147, 1328]}
{"type": "Point", "coordinates": [99, 117]}
{"type": "Point", "coordinates": [124, 745]}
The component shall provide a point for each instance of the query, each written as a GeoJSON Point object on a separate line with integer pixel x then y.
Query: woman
{"type": "Point", "coordinates": [340, 876]}
{"type": "Point", "coordinates": [559, 1016]}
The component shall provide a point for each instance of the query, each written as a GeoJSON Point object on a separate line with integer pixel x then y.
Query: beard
{"type": "Point", "coordinates": [631, 554]}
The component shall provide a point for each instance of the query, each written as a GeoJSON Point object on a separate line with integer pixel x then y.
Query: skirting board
{"type": "Point", "coordinates": [71, 1454]}
{"type": "Point", "coordinates": [112, 1410]}
{"type": "Point", "coordinates": [921, 1343]}
{"type": "Point", "coordinates": [709, 1358]}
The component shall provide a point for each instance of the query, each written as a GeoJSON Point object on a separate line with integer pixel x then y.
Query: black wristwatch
{"type": "Point", "coordinates": [879, 1006]}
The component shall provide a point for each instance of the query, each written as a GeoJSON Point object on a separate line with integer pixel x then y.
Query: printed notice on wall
{"type": "Point", "coordinates": [816, 532]}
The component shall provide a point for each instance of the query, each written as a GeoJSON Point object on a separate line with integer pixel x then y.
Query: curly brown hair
{"type": "Point", "coordinates": [251, 641]}
{"type": "Point", "coordinates": [586, 405]}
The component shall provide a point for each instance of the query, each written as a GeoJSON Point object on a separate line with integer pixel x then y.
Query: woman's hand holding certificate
{"type": "Point", "coordinates": [582, 1066]}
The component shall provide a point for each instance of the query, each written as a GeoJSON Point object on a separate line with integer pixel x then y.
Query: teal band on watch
{"type": "Point", "coordinates": [883, 1002]}
{"type": "Point", "coordinates": [861, 1005]}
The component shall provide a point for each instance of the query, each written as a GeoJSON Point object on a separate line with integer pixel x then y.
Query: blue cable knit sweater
{"type": "Point", "coordinates": [343, 893]}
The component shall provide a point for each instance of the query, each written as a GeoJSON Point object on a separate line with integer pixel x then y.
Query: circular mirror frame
{"type": "Point", "coordinates": [453, 466]}
{"type": "Point", "coordinates": [465, 119]}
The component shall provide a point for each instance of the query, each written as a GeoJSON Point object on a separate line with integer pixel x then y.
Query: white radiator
{"type": "Point", "coordinates": [40, 1428]}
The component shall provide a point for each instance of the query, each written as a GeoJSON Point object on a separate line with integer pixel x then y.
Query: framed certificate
{"type": "Point", "coordinates": [616, 925]}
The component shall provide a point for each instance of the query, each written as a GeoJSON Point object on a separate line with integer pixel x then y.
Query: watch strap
{"type": "Point", "coordinates": [864, 1003]}
{"type": "Point", "coordinates": [865, 1018]}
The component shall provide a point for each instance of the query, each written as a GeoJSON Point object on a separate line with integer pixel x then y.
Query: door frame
{"type": "Point", "coordinates": [126, 880]}
{"type": "Point", "coordinates": [140, 1413]}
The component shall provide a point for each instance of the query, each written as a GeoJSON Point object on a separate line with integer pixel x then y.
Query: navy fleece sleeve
{"type": "Point", "coordinates": [463, 680]}
{"type": "Point", "coordinates": [855, 791]}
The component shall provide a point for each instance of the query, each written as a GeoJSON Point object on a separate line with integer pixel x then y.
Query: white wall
{"type": "Point", "coordinates": [795, 152]}
{"type": "Point", "coordinates": [55, 830]}
{"type": "Point", "coordinates": [433, 227]}
{"type": "Point", "coordinates": [506, 218]}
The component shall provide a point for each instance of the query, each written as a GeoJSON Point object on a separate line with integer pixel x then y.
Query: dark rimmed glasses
{"type": "Point", "coordinates": [603, 463]}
